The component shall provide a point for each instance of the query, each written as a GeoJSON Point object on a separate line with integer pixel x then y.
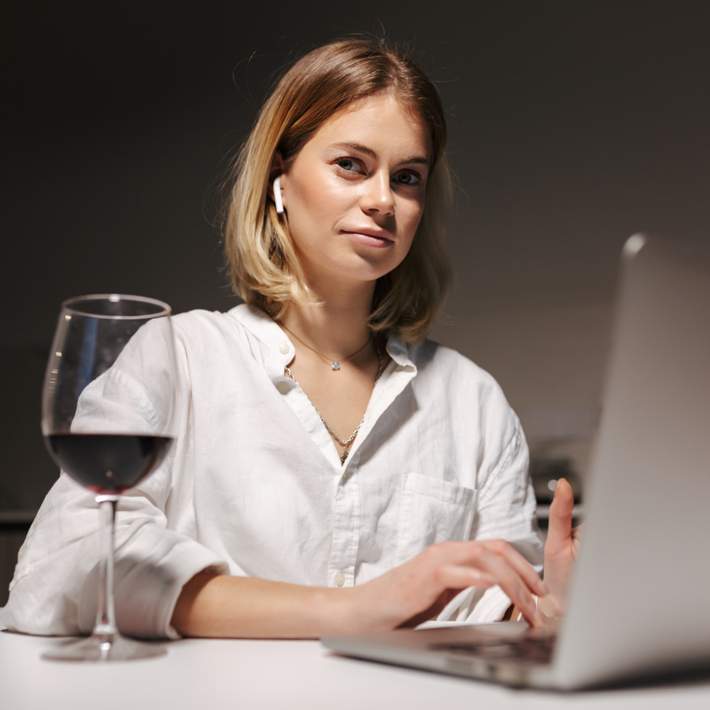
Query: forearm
{"type": "Point", "coordinates": [214, 605]}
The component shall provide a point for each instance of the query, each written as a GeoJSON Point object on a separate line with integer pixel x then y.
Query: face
{"type": "Point", "coordinates": [354, 194]}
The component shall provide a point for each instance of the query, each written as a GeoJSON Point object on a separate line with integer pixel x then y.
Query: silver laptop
{"type": "Point", "coordinates": [639, 602]}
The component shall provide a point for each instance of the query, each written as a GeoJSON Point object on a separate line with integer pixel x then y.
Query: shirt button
{"type": "Point", "coordinates": [283, 349]}
{"type": "Point", "coordinates": [339, 579]}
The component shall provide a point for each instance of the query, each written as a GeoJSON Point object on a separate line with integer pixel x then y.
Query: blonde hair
{"type": "Point", "coordinates": [263, 265]}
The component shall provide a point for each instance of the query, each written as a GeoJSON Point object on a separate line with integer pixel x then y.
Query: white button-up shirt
{"type": "Point", "coordinates": [253, 484]}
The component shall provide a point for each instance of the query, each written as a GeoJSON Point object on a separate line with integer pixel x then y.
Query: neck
{"type": "Point", "coordinates": [337, 326]}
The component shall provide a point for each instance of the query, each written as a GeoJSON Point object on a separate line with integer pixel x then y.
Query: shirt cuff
{"type": "Point", "coordinates": [471, 606]}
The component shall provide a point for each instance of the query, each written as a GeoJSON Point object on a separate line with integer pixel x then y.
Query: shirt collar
{"type": "Point", "coordinates": [400, 352]}
{"type": "Point", "coordinates": [261, 326]}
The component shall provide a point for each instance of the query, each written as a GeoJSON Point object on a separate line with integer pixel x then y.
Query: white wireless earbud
{"type": "Point", "coordinates": [277, 195]}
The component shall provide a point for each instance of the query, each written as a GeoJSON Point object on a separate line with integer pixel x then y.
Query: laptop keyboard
{"type": "Point", "coordinates": [531, 649]}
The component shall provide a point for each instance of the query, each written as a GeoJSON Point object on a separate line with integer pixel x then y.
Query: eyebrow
{"type": "Point", "coordinates": [368, 151]}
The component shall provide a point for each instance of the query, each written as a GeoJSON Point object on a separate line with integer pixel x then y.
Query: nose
{"type": "Point", "coordinates": [377, 197]}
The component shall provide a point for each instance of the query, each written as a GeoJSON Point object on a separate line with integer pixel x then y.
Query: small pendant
{"type": "Point", "coordinates": [334, 365]}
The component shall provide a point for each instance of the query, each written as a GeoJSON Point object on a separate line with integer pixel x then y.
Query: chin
{"type": "Point", "coordinates": [352, 267]}
{"type": "Point", "coordinates": [365, 269]}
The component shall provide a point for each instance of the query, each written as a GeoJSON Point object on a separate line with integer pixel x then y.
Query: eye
{"type": "Point", "coordinates": [350, 165]}
{"type": "Point", "coordinates": [408, 177]}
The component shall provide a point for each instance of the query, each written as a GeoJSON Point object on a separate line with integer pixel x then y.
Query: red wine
{"type": "Point", "coordinates": [108, 463]}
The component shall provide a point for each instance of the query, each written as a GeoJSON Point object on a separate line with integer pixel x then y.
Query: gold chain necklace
{"type": "Point", "coordinates": [381, 364]}
{"type": "Point", "coordinates": [350, 439]}
{"type": "Point", "coordinates": [335, 365]}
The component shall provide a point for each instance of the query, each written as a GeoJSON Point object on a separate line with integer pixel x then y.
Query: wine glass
{"type": "Point", "coordinates": [108, 421]}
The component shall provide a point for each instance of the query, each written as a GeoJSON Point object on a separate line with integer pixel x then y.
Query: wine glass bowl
{"type": "Point", "coordinates": [108, 408]}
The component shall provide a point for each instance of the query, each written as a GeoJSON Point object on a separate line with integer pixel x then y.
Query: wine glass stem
{"type": "Point", "coordinates": [105, 625]}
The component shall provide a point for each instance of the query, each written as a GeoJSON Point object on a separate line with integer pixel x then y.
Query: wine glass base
{"type": "Point", "coordinates": [101, 648]}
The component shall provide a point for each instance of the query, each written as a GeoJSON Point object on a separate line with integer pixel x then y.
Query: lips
{"type": "Point", "coordinates": [371, 233]}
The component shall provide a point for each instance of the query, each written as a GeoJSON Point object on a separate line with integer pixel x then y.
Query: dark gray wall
{"type": "Point", "coordinates": [572, 125]}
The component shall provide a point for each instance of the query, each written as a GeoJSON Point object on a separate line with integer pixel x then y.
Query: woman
{"type": "Point", "coordinates": [334, 471]}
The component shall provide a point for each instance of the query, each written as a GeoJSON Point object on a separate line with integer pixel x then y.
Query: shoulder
{"type": "Point", "coordinates": [470, 392]}
{"type": "Point", "coordinates": [202, 329]}
{"type": "Point", "coordinates": [453, 370]}
{"type": "Point", "coordinates": [242, 334]}
{"type": "Point", "coordinates": [199, 320]}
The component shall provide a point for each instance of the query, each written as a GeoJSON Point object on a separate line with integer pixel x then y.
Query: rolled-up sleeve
{"type": "Point", "coordinates": [54, 590]}
{"type": "Point", "coordinates": [55, 586]}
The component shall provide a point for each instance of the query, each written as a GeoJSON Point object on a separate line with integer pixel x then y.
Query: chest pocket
{"type": "Point", "coordinates": [432, 510]}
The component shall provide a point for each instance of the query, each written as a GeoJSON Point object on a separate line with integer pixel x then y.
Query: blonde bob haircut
{"type": "Point", "coordinates": [263, 264]}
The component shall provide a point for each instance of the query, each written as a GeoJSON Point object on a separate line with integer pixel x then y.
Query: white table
{"type": "Point", "coordinates": [283, 675]}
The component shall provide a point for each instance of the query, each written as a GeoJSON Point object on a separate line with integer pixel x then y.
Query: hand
{"type": "Point", "coordinates": [420, 588]}
{"type": "Point", "coordinates": [561, 550]}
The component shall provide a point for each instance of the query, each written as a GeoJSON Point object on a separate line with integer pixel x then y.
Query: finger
{"type": "Point", "coordinates": [458, 577]}
{"type": "Point", "coordinates": [560, 525]}
{"type": "Point", "coordinates": [519, 564]}
{"type": "Point", "coordinates": [468, 553]}
{"type": "Point", "coordinates": [510, 582]}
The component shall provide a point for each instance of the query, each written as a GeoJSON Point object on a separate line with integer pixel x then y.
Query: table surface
{"type": "Point", "coordinates": [248, 674]}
